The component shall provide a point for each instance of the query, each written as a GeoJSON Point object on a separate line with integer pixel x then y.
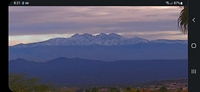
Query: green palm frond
{"type": "Point", "coordinates": [183, 20]}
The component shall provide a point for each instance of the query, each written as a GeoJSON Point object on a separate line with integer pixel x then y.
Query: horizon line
{"type": "Point", "coordinates": [97, 60]}
{"type": "Point", "coordinates": [95, 35]}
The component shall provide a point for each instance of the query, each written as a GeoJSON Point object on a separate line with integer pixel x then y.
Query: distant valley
{"type": "Point", "coordinates": [85, 72]}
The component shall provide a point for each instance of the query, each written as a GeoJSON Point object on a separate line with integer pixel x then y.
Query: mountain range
{"type": "Point", "coordinates": [105, 47]}
{"type": "Point", "coordinates": [86, 39]}
{"type": "Point", "coordinates": [104, 59]}
{"type": "Point", "coordinates": [85, 72]}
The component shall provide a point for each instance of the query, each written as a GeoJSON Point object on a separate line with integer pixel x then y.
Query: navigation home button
{"type": "Point", "coordinates": [193, 45]}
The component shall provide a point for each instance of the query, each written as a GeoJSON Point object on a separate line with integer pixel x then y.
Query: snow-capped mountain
{"type": "Point", "coordinates": [106, 47]}
{"type": "Point", "coordinates": [169, 41]}
{"type": "Point", "coordinates": [111, 39]}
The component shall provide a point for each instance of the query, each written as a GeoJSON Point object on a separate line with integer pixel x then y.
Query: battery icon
{"type": "Point", "coordinates": [26, 3]}
{"type": "Point", "coordinates": [22, 2]}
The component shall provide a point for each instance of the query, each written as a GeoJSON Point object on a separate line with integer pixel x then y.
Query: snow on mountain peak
{"type": "Point", "coordinates": [169, 41]}
{"type": "Point", "coordinates": [101, 39]}
{"type": "Point", "coordinates": [75, 35]}
{"type": "Point", "coordinates": [102, 34]}
{"type": "Point", "coordinates": [86, 34]}
{"type": "Point", "coordinates": [114, 35]}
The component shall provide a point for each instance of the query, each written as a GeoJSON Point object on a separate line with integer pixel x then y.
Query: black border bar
{"type": "Point", "coordinates": [99, 3]}
{"type": "Point", "coordinates": [193, 50]}
{"type": "Point", "coordinates": [193, 28]}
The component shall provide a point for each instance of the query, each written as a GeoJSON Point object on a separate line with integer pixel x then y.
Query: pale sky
{"type": "Point", "coordinates": [29, 24]}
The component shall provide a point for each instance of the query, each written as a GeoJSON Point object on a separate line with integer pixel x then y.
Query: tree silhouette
{"type": "Point", "coordinates": [95, 89]}
{"type": "Point", "coordinates": [113, 89]}
{"type": "Point", "coordinates": [137, 90]}
{"type": "Point", "coordinates": [20, 83]}
{"type": "Point", "coordinates": [180, 90]}
{"type": "Point", "coordinates": [87, 90]}
{"type": "Point", "coordinates": [163, 89]}
{"type": "Point", "coordinates": [183, 20]}
{"type": "Point", "coordinates": [128, 89]}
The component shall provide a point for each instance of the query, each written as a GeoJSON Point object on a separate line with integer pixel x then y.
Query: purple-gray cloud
{"type": "Point", "coordinates": [127, 21]}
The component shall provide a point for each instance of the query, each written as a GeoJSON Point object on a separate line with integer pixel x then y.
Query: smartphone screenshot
{"type": "Point", "coordinates": [96, 46]}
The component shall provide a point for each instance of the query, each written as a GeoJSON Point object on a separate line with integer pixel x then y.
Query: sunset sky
{"type": "Point", "coordinates": [38, 23]}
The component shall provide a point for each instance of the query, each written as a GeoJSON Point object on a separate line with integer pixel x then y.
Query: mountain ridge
{"type": "Point", "coordinates": [106, 47]}
{"type": "Point", "coordinates": [96, 73]}
{"type": "Point", "coordinates": [141, 51]}
{"type": "Point", "coordinates": [66, 59]}
{"type": "Point", "coordinates": [86, 39]}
